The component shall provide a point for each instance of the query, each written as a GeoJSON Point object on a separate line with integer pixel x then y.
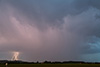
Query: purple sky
{"type": "Point", "coordinates": [55, 30]}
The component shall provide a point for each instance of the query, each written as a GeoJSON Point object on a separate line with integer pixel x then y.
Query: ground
{"type": "Point", "coordinates": [51, 65]}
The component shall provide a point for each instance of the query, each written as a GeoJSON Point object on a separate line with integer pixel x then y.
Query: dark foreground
{"type": "Point", "coordinates": [51, 65]}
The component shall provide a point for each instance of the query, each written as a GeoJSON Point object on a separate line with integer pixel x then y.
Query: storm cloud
{"type": "Point", "coordinates": [55, 30]}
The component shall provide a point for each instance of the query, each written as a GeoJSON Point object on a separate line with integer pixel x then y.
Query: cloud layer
{"type": "Point", "coordinates": [50, 29]}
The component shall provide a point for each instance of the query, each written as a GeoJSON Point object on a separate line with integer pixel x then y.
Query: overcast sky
{"type": "Point", "coordinates": [54, 30]}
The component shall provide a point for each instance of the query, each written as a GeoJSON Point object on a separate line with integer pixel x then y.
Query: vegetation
{"type": "Point", "coordinates": [49, 64]}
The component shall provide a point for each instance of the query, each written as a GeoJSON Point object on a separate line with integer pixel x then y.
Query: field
{"type": "Point", "coordinates": [51, 65]}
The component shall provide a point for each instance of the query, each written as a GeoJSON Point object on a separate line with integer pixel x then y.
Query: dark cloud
{"type": "Point", "coordinates": [52, 10]}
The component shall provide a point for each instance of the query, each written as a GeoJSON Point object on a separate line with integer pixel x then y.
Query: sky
{"type": "Point", "coordinates": [53, 30]}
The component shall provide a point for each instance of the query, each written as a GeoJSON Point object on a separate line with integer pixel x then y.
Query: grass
{"type": "Point", "coordinates": [51, 65]}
